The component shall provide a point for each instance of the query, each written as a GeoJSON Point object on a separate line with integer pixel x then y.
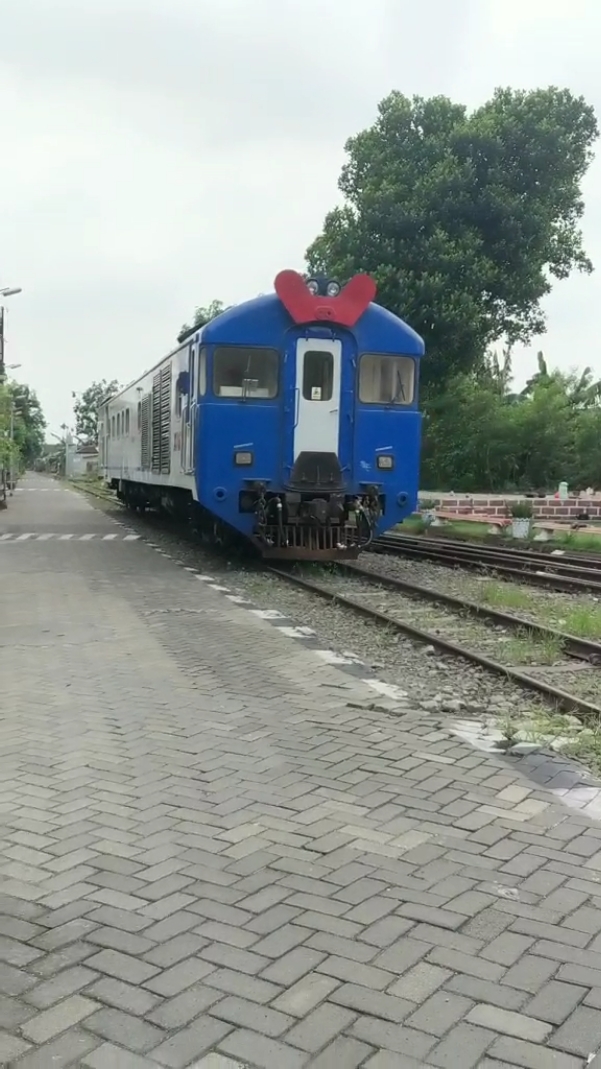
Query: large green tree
{"type": "Point", "coordinates": [86, 407]}
{"type": "Point", "coordinates": [8, 451]}
{"type": "Point", "coordinates": [29, 424]}
{"type": "Point", "coordinates": [22, 426]}
{"type": "Point", "coordinates": [464, 218]}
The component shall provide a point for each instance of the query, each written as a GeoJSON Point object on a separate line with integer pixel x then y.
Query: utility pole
{"type": "Point", "coordinates": [6, 291]}
{"type": "Point", "coordinates": [2, 370]}
{"type": "Point", "coordinates": [11, 470]}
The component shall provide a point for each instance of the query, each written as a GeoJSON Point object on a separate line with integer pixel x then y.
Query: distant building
{"type": "Point", "coordinates": [80, 459]}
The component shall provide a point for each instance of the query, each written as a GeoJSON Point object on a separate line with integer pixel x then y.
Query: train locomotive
{"type": "Point", "coordinates": [291, 419]}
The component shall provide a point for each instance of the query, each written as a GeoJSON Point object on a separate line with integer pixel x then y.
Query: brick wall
{"type": "Point", "coordinates": [543, 507]}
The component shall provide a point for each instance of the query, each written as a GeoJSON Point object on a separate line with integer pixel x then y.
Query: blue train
{"type": "Point", "coordinates": [291, 419]}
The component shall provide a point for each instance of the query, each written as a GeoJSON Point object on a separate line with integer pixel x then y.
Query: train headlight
{"type": "Point", "coordinates": [313, 286]}
{"type": "Point", "coordinates": [386, 462]}
{"type": "Point", "coordinates": [243, 460]}
{"type": "Point", "coordinates": [333, 289]}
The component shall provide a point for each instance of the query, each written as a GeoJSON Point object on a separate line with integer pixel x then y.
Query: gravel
{"type": "Point", "coordinates": [547, 606]}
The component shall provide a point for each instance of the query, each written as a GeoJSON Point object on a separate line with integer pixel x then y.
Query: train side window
{"type": "Point", "coordinates": [248, 373]}
{"type": "Point", "coordinates": [127, 420]}
{"type": "Point", "coordinates": [112, 426]}
{"type": "Point", "coordinates": [386, 380]}
{"type": "Point", "coordinates": [192, 371]}
{"type": "Point", "coordinates": [318, 375]}
{"type": "Point", "coordinates": [202, 371]}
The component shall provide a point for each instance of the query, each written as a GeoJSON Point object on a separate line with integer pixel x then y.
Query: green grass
{"type": "Point", "coordinates": [584, 622]}
{"type": "Point", "coordinates": [574, 540]}
{"type": "Point", "coordinates": [569, 540]}
{"type": "Point", "coordinates": [469, 530]}
{"type": "Point", "coordinates": [526, 647]}
{"type": "Point", "coordinates": [506, 596]}
{"type": "Point", "coordinates": [586, 747]}
{"type": "Point", "coordinates": [413, 525]}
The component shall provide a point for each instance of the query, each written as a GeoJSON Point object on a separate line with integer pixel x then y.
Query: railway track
{"type": "Point", "coordinates": [398, 610]}
{"type": "Point", "coordinates": [449, 632]}
{"type": "Point", "coordinates": [568, 572]}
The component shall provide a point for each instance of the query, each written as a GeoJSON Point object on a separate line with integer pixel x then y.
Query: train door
{"type": "Point", "coordinates": [317, 396]}
{"type": "Point", "coordinates": [189, 416]}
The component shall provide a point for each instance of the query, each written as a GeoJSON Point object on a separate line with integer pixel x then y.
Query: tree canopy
{"type": "Point", "coordinates": [86, 409]}
{"type": "Point", "coordinates": [463, 218]}
{"type": "Point", "coordinates": [21, 410]}
{"type": "Point", "coordinates": [479, 436]}
{"type": "Point", "coordinates": [202, 315]}
{"type": "Point", "coordinates": [29, 422]}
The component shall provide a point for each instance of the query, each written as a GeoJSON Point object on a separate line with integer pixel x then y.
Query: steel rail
{"type": "Point", "coordinates": [569, 702]}
{"type": "Point", "coordinates": [506, 565]}
{"type": "Point", "coordinates": [592, 561]}
{"type": "Point", "coordinates": [582, 648]}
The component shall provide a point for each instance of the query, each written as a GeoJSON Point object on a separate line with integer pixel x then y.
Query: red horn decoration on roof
{"type": "Point", "coordinates": [306, 307]}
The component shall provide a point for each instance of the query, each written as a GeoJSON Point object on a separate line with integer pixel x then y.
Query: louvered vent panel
{"type": "Point", "coordinates": [145, 417]}
{"type": "Point", "coordinates": [156, 423]}
{"type": "Point", "coordinates": [165, 450]}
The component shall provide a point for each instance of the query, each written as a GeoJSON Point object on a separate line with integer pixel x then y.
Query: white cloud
{"type": "Point", "coordinates": [159, 153]}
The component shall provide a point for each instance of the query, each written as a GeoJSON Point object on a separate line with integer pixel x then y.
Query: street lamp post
{"type": "Point", "coordinates": [8, 291]}
{"type": "Point", "coordinates": [11, 470]}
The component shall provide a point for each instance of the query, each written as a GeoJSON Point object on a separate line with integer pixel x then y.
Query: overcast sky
{"type": "Point", "coordinates": [157, 154]}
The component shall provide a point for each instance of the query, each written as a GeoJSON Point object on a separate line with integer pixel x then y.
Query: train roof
{"type": "Point", "coordinates": [264, 320]}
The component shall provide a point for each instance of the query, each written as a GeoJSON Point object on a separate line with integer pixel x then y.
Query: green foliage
{"type": "Point", "coordinates": [478, 436]}
{"type": "Point", "coordinates": [521, 510]}
{"type": "Point", "coordinates": [461, 218]}
{"type": "Point", "coordinates": [29, 423]}
{"type": "Point", "coordinates": [22, 426]}
{"type": "Point", "coordinates": [203, 314]}
{"type": "Point", "coordinates": [86, 409]}
{"type": "Point", "coordinates": [7, 447]}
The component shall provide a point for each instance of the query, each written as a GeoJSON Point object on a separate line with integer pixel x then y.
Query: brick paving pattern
{"type": "Point", "coordinates": [218, 852]}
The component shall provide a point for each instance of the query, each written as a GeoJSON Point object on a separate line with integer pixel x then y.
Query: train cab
{"type": "Point", "coordinates": [306, 429]}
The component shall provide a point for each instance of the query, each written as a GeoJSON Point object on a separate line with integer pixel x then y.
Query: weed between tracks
{"type": "Point", "coordinates": [506, 596]}
{"type": "Point", "coordinates": [525, 647]}
{"type": "Point", "coordinates": [586, 623]}
{"type": "Point", "coordinates": [581, 620]}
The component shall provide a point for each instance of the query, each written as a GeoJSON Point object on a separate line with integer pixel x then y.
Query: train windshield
{"type": "Point", "coordinates": [386, 380]}
{"type": "Point", "coordinates": [248, 373]}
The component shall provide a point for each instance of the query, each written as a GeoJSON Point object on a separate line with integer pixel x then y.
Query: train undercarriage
{"type": "Point", "coordinates": [287, 526]}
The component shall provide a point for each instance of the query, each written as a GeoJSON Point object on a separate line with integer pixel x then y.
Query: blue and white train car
{"type": "Point", "coordinates": [291, 419]}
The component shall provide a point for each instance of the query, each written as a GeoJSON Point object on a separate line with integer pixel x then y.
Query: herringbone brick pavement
{"type": "Point", "coordinates": [216, 852]}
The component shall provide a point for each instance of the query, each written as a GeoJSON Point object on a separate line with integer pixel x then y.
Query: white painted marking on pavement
{"type": "Point", "coordinates": [387, 690]}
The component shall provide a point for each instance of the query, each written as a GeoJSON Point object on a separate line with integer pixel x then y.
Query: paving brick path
{"type": "Point", "coordinates": [215, 851]}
